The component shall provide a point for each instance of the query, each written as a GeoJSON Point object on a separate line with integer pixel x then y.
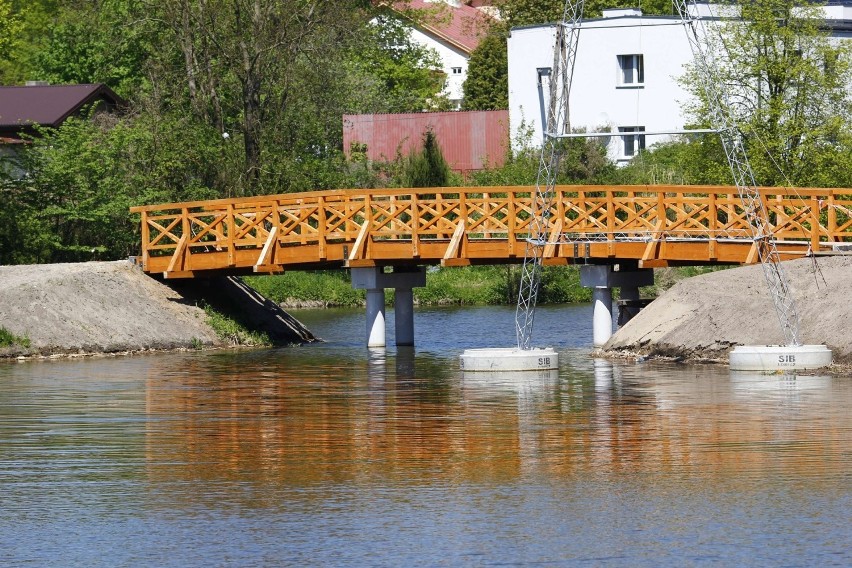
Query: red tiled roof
{"type": "Point", "coordinates": [48, 105]}
{"type": "Point", "coordinates": [458, 26]}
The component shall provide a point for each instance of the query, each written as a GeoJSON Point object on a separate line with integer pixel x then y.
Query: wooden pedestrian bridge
{"type": "Point", "coordinates": [650, 226]}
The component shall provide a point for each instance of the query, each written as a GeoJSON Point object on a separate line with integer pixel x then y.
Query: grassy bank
{"type": "Point", "coordinates": [230, 330]}
{"type": "Point", "coordinates": [473, 285]}
{"type": "Point", "coordinates": [9, 339]}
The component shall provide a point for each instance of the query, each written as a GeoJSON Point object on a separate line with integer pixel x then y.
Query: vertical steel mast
{"type": "Point", "coordinates": [561, 75]}
{"type": "Point", "coordinates": [732, 141]}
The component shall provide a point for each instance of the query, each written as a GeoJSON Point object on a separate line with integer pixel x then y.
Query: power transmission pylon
{"type": "Point", "coordinates": [718, 102]}
{"type": "Point", "coordinates": [561, 75]}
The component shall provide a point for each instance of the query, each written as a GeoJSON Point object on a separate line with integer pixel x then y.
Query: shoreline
{"type": "Point", "coordinates": [105, 309]}
{"type": "Point", "coordinates": [113, 307]}
{"type": "Point", "coordinates": [702, 318]}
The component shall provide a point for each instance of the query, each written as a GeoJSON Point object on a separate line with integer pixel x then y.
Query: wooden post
{"type": "Point", "coordinates": [712, 226]}
{"type": "Point", "coordinates": [610, 223]}
{"type": "Point", "coordinates": [321, 228]}
{"type": "Point", "coordinates": [231, 231]}
{"type": "Point", "coordinates": [146, 239]}
{"type": "Point", "coordinates": [512, 225]}
{"type": "Point", "coordinates": [832, 218]}
{"type": "Point", "coordinates": [186, 229]}
{"type": "Point", "coordinates": [463, 213]}
{"type": "Point", "coordinates": [815, 225]}
{"type": "Point", "coordinates": [415, 226]}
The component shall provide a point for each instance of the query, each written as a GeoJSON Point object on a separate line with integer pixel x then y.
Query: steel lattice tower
{"type": "Point", "coordinates": [561, 75]}
{"type": "Point", "coordinates": [558, 126]}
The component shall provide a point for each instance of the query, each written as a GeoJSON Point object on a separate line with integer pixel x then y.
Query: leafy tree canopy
{"type": "Point", "coordinates": [787, 88]}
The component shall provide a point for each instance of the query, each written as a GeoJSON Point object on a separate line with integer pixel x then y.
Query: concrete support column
{"type": "Point", "coordinates": [375, 280]}
{"type": "Point", "coordinates": [602, 278]}
{"type": "Point", "coordinates": [601, 315]}
{"type": "Point", "coordinates": [628, 305]}
{"type": "Point", "coordinates": [403, 311]}
{"type": "Point", "coordinates": [376, 317]}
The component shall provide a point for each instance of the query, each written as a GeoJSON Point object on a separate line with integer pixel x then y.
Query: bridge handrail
{"type": "Point", "coordinates": [456, 214]}
{"type": "Point", "coordinates": [680, 189]}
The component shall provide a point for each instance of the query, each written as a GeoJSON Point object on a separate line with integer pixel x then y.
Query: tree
{"type": "Point", "coordinates": [83, 176]}
{"type": "Point", "coordinates": [10, 27]}
{"type": "Point", "coordinates": [93, 42]}
{"type": "Point", "coordinates": [487, 83]}
{"type": "Point", "coordinates": [787, 87]}
{"type": "Point", "coordinates": [398, 75]}
{"type": "Point", "coordinates": [241, 58]}
{"type": "Point", "coordinates": [428, 168]}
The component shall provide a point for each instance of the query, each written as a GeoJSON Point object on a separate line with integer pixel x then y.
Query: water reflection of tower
{"type": "Point", "coordinates": [523, 390]}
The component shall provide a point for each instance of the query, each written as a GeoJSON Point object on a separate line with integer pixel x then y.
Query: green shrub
{"type": "Point", "coordinates": [231, 331]}
{"type": "Point", "coordinates": [464, 285]}
{"type": "Point", "coordinates": [8, 339]}
{"type": "Point", "coordinates": [325, 288]}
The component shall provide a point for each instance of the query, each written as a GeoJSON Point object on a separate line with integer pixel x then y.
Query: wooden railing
{"type": "Point", "coordinates": [656, 225]}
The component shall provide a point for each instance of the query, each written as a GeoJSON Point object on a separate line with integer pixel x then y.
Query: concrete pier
{"type": "Point", "coordinates": [375, 280]}
{"type": "Point", "coordinates": [376, 317]}
{"type": "Point", "coordinates": [602, 278]}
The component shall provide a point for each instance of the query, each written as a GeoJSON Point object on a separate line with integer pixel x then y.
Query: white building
{"type": "Point", "coordinates": [625, 75]}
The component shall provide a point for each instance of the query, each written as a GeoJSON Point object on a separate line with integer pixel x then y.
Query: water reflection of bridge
{"type": "Point", "coordinates": [416, 421]}
{"type": "Point", "coordinates": [388, 236]}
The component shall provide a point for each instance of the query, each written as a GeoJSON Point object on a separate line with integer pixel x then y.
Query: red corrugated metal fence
{"type": "Point", "coordinates": [468, 140]}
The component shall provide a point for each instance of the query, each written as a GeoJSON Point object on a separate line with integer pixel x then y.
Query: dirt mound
{"type": "Point", "coordinates": [705, 316]}
{"type": "Point", "coordinates": [104, 307]}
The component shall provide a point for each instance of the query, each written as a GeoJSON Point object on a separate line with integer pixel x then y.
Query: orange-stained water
{"type": "Point", "coordinates": [333, 454]}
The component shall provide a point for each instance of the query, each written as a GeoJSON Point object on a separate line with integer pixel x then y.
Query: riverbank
{"type": "Point", "coordinates": [457, 286]}
{"type": "Point", "coordinates": [702, 318]}
{"type": "Point", "coordinates": [113, 307]}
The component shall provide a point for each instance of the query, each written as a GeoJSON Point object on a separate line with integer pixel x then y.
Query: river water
{"type": "Point", "coordinates": [331, 454]}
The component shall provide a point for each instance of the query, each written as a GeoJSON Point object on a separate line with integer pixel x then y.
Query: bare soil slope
{"type": "Point", "coordinates": [705, 316]}
{"type": "Point", "coordinates": [104, 307]}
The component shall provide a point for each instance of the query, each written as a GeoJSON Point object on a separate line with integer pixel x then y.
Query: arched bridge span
{"type": "Point", "coordinates": [651, 226]}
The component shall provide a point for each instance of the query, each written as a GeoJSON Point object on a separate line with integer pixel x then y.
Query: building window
{"type": "Point", "coordinates": [457, 70]}
{"type": "Point", "coordinates": [632, 144]}
{"type": "Point", "coordinates": [631, 70]}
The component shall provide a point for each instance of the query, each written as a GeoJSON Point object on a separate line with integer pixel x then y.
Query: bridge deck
{"type": "Point", "coordinates": [655, 225]}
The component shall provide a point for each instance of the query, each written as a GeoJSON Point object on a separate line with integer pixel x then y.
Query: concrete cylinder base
{"type": "Point", "coordinates": [773, 358]}
{"type": "Point", "coordinates": [509, 359]}
{"type": "Point", "coordinates": [601, 316]}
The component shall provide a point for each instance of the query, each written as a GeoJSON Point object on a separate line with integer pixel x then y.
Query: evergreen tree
{"type": "Point", "coordinates": [428, 168]}
{"type": "Point", "coordinates": [487, 84]}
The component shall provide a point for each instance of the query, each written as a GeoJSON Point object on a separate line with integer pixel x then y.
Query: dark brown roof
{"type": "Point", "coordinates": [48, 105]}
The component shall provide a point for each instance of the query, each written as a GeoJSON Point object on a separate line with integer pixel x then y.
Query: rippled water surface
{"type": "Point", "coordinates": [335, 455]}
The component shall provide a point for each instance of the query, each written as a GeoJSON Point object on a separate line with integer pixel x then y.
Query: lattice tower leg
{"type": "Point", "coordinates": [562, 73]}
{"type": "Point", "coordinates": [732, 141]}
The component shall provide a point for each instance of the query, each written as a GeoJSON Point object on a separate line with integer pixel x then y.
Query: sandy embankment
{"type": "Point", "coordinates": [702, 318]}
{"type": "Point", "coordinates": [100, 307]}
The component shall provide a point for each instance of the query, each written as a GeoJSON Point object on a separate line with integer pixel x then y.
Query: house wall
{"type": "Point", "coordinates": [468, 140]}
{"type": "Point", "coordinates": [451, 57]}
{"type": "Point", "coordinates": [597, 99]}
